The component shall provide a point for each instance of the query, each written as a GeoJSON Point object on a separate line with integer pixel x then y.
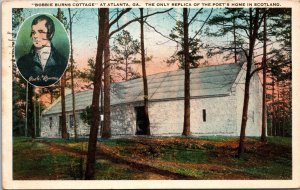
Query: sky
{"type": "Point", "coordinates": [85, 31]}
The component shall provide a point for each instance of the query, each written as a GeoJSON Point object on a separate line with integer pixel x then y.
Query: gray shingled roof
{"type": "Point", "coordinates": [207, 81]}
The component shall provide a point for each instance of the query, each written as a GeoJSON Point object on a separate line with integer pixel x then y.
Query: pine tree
{"type": "Point", "coordinates": [125, 49]}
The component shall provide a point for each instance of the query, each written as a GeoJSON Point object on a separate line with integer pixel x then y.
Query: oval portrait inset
{"type": "Point", "coordinates": [42, 50]}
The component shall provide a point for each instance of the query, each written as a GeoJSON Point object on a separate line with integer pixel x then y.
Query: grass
{"type": "Point", "coordinates": [33, 160]}
{"type": "Point", "coordinates": [117, 142]}
{"type": "Point", "coordinates": [79, 146]}
{"type": "Point", "coordinates": [202, 158]}
{"type": "Point", "coordinates": [269, 170]}
{"type": "Point", "coordinates": [183, 155]}
{"type": "Point", "coordinates": [110, 171]}
{"type": "Point", "coordinates": [217, 138]}
{"type": "Point", "coordinates": [186, 171]}
{"type": "Point", "coordinates": [286, 141]}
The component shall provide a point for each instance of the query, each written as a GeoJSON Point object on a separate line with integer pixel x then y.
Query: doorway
{"type": "Point", "coordinates": [140, 121]}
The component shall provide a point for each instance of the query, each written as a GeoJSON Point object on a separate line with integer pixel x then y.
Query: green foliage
{"type": "Point", "coordinates": [228, 22]}
{"type": "Point", "coordinates": [86, 115]}
{"type": "Point", "coordinates": [19, 105]}
{"type": "Point", "coordinates": [62, 18]}
{"type": "Point", "coordinates": [279, 29]}
{"type": "Point", "coordinates": [17, 19]}
{"type": "Point", "coordinates": [194, 48]}
{"type": "Point", "coordinates": [280, 26]}
{"type": "Point", "coordinates": [19, 84]}
{"type": "Point", "coordinates": [125, 45]}
{"type": "Point", "coordinates": [87, 74]}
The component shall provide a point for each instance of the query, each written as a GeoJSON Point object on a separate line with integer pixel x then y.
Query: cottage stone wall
{"type": "Point", "coordinates": [48, 130]}
{"type": "Point", "coordinates": [123, 119]}
{"type": "Point", "coordinates": [223, 117]}
{"type": "Point", "coordinates": [254, 108]}
{"type": "Point", "coordinates": [54, 131]}
{"type": "Point", "coordinates": [166, 117]}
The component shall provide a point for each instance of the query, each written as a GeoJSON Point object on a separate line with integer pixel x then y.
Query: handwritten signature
{"type": "Point", "coordinates": [41, 78]}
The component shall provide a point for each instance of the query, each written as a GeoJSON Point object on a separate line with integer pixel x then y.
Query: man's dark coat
{"type": "Point", "coordinates": [31, 68]}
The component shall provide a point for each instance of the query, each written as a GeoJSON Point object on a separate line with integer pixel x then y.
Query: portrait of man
{"type": "Point", "coordinates": [43, 65]}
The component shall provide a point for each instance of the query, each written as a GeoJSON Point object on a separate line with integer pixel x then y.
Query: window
{"type": "Point", "coordinates": [50, 122]}
{"type": "Point", "coordinates": [71, 121]}
{"type": "Point", "coordinates": [204, 115]}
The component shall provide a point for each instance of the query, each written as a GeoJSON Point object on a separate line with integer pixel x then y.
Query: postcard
{"type": "Point", "coordinates": [150, 94]}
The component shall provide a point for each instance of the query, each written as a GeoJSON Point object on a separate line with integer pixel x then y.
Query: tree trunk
{"type": "Point", "coordinates": [26, 111]}
{"type": "Point", "coordinates": [145, 84]}
{"type": "Point", "coordinates": [39, 123]}
{"type": "Point", "coordinates": [63, 124]}
{"type": "Point", "coordinates": [273, 109]}
{"type": "Point", "coordinates": [283, 114]}
{"type": "Point", "coordinates": [235, 42]}
{"type": "Point", "coordinates": [245, 116]}
{"type": "Point", "coordinates": [126, 69]}
{"type": "Point", "coordinates": [91, 160]}
{"type": "Point", "coordinates": [34, 114]}
{"type": "Point", "coordinates": [30, 118]}
{"type": "Point", "coordinates": [279, 117]}
{"type": "Point", "coordinates": [186, 123]}
{"type": "Point", "coordinates": [253, 29]}
{"type": "Point", "coordinates": [106, 132]}
{"type": "Point", "coordinates": [264, 64]}
{"type": "Point", "coordinates": [72, 78]}
{"type": "Point", "coordinates": [101, 108]}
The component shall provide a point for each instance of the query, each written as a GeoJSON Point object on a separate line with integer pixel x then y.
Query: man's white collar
{"type": "Point", "coordinates": [44, 54]}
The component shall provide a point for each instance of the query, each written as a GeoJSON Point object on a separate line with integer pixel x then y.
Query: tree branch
{"type": "Point", "coordinates": [134, 20]}
{"type": "Point", "coordinates": [161, 33]}
{"type": "Point", "coordinates": [262, 18]}
{"type": "Point", "coordinates": [172, 17]}
{"type": "Point", "coordinates": [124, 11]}
{"type": "Point", "coordinates": [271, 43]}
{"type": "Point", "coordinates": [254, 71]}
{"type": "Point", "coordinates": [203, 24]}
{"type": "Point", "coordinates": [192, 19]}
{"type": "Point", "coordinates": [260, 68]}
{"type": "Point", "coordinates": [245, 52]}
{"type": "Point", "coordinates": [246, 31]}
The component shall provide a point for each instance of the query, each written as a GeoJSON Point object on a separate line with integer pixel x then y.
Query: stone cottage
{"type": "Point", "coordinates": [217, 94]}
